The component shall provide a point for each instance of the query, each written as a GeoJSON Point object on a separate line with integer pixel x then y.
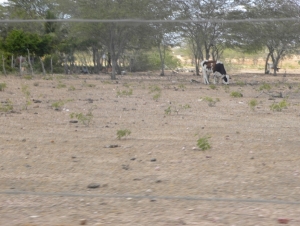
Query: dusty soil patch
{"type": "Point", "coordinates": [156, 175]}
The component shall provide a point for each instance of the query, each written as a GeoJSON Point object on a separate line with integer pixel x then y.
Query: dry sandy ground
{"type": "Point", "coordinates": [156, 175]}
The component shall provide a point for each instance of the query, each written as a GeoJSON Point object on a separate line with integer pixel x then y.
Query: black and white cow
{"type": "Point", "coordinates": [218, 70]}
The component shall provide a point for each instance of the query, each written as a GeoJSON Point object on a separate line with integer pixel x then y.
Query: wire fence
{"type": "Point", "coordinates": [220, 21]}
{"type": "Point", "coordinates": [151, 197]}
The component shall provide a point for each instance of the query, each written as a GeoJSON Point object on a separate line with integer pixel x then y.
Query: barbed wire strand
{"type": "Point", "coordinates": [221, 21]}
{"type": "Point", "coordinates": [152, 197]}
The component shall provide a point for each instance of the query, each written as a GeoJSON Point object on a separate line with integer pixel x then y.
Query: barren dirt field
{"type": "Point", "coordinates": [62, 171]}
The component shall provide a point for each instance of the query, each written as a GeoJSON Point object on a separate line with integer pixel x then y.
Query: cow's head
{"type": "Point", "coordinates": [225, 79]}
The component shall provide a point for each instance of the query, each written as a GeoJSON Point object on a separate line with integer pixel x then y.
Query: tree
{"type": "Point", "coordinates": [17, 42]}
{"type": "Point", "coordinates": [280, 38]}
{"type": "Point", "coordinates": [115, 37]}
{"type": "Point", "coordinates": [21, 43]}
{"type": "Point", "coordinates": [162, 35]}
{"type": "Point", "coordinates": [202, 34]}
{"type": "Point", "coordinates": [29, 9]}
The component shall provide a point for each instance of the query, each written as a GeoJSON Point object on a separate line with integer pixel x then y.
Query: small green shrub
{"type": "Point", "coordinates": [126, 85]}
{"type": "Point", "coordinates": [156, 96]}
{"type": "Point", "coordinates": [211, 102]}
{"type": "Point", "coordinates": [91, 85]}
{"type": "Point", "coordinates": [48, 77]}
{"type": "Point", "coordinates": [84, 119]}
{"type": "Point", "coordinates": [253, 103]}
{"type": "Point", "coordinates": [27, 77]}
{"type": "Point", "coordinates": [279, 106]}
{"type": "Point", "coordinates": [236, 94]}
{"type": "Point", "coordinates": [154, 88]}
{"type": "Point", "coordinates": [181, 86]}
{"type": "Point", "coordinates": [240, 83]}
{"type": "Point", "coordinates": [26, 92]}
{"type": "Point", "coordinates": [85, 84]}
{"type": "Point", "coordinates": [59, 77]}
{"type": "Point", "coordinates": [123, 133]}
{"type": "Point", "coordinates": [8, 106]}
{"type": "Point", "coordinates": [106, 82]}
{"type": "Point", "coordinates": [124, 93]}
{"type": "Point", "coordinates": [157, 90]}
{"type": "Point", "coordinates": [186, 106]}
{"type": "Point", "coordinates": [61, 85]}
{"type": "Point", "coordinates": [168, 111]}
{"type": "Point", "coordinates": [71, 88]}
{"type": "Point", "coordinates": [2, 86]}
{"type": "Point", "coordinates": [212, 86]}
{"type": "Point", "coordinates": [58, 105]}
{"type": "Point", "coordinates": [203, 143]}
{"type": "Point", "coordinates": [265, 86]}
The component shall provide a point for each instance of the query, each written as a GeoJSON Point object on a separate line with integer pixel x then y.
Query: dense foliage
{"type": "Point", "coordinates": [132, 46]}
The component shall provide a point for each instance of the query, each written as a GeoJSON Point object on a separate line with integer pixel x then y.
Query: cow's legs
{"type": "Point", "coordinates": [204, 73]}
{"type": "Point", "coordinates": [217, 75]}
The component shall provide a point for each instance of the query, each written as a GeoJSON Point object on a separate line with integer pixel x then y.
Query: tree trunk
{"type": "Point", "coordinates": [98, 55]}
{"type": "Point", "coordinates": [266, 64]}
{"type": "Point", "coordinates": [276, 62]}
{"type": "Point", "coordinates": [65, 64]}
{"type": "Point", "coordinates": [162, 61]}
{"type": "Point", "coordinates": [207, 49]}
{"type": "Point", "coordinates": [20, 65]}
{"type": "Point", "coordinates": [43, 67]}
{"type": "Point", "coordinates": [114, 66]}
{"type": "Point", "coordinates": [273, 62]}
{"type": "Point", "coordinates": [12, 61]}
{"type": "Point", "coordinates": [197, 65]}
{"type": "Point", "coordinates": [29, 62]}
{"type": "Point", "coordinates": [3, 66]}
{"type": "Point", "coordinates": [51, 65]}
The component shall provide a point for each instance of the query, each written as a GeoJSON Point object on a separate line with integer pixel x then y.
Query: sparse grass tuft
{"type": "Point", "coordinates": [203, 143]}
{"type": "Point", "coordinates": [106, 82]}
{"type": "Point", "coordinates": [157, 90]}
{"type": "Point", "coordinates": [212, 86]}
{"type": "Point", "coordinates": [154, 88]}
{"type": "Point", "coordinates": [211, 102]}
{"type": "Point", "coordinates": [127, 85]}
{"type": "Point", "coordinates": [61, 85]}
{"type": "Point", "coordinates": [85, 84]}
{"type": "Point", "coordinates": [8, 106]}
{"type": "Point", "coordinates": [279, 106]}
{"type": "Point", "coordinates": [253, 103]}
{"type": "Point", "coordinates": [58, 105]}
{"type": "Point", "coordinates": [186, 106]}
{"type": "Point", "coordinates": [168, 111]}
{"type": "Point", "coordinates": [27, 77]}
{"type": "Point", "coordinates": [71, 88]}
{"type": "Point", "coordinates": [2, 86]}
{"type": "Point", "coordinates": [26, 92]}
{"type": "Point", "coordinates": [265, 86]}
{"type": "Point", "coordinates": [181, 86]}
{"type": "Point", "coordinates": [124, 93]}
{"type": "Point", "coordinates": [123, 133]}
{"type": "Point", "coordinates": [240, 83]}
{"type": "Point", "coordinates": [47, 77]}
{"type": "Point", "coordinates": [156, 96]}
{"type": "Point", "coordinates": [236, 94]}
{"type": "Point", "coordinates": [84, 119]}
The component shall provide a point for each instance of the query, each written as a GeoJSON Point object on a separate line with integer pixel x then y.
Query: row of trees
{"type": "Point", "coordinates": [195, 23]}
